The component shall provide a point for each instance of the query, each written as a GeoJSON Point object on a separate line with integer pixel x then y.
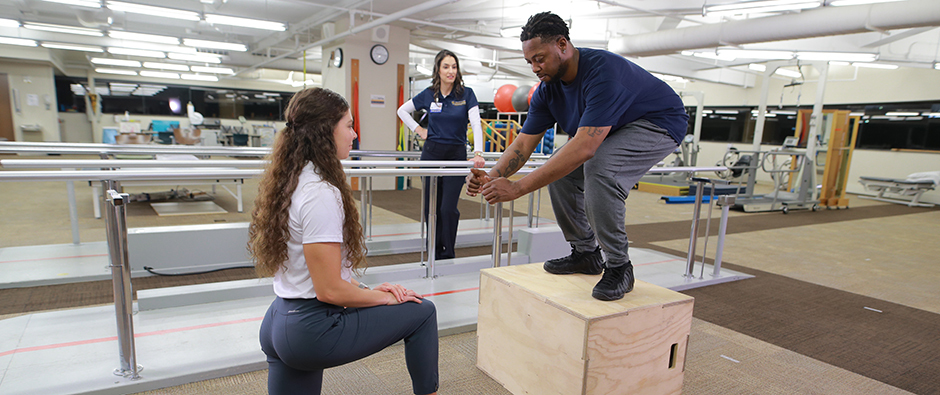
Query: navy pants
{"type": "Point", "coordinates": [448, 194]}
{"type": "Point", "coordinates": [301, 337]}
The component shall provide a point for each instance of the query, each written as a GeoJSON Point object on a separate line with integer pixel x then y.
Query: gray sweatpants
{"type": "Point", "coordinates": [589, 202]}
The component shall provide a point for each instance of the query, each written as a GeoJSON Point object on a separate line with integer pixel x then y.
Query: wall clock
{"type": "Point", "coordinates": [336, 57]}
{"type": "Point", "coordinates": [379, 54]}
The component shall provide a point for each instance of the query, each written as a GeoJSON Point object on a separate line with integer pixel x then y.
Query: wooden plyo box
{"type": "Point", "coordinates": [539, 333]}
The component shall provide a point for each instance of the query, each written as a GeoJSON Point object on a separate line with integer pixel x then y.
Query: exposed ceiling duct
{"type": "Point", "coordinates": [819, 22]}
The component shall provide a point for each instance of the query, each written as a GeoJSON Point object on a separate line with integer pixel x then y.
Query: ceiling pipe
{"type": "Point", "coordinates": [378, 22]}
{"type": "Point", "coordinates": [819, 22]}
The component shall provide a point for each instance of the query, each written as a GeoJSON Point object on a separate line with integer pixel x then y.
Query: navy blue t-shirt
{"type": "Point", "coordinates": [449, 124]}
{"type": "Point", "coordinates": [608, 91]}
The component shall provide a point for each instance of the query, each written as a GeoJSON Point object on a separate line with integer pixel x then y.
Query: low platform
{"type": "Point", "coordinates": [31, 266]}
{"type": "Point", "coordinates": [74, 351]}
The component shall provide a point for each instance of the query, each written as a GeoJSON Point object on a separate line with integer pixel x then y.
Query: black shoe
{"type": "Point", "coordinates": [578, 262]}
{"type": "Point", "coordinates": [615, 283]}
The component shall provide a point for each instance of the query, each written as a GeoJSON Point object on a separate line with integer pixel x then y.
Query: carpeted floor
{"type": "Point", "coordinates": [888, 342]}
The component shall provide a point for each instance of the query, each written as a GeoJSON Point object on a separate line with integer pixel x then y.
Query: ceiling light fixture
{"type": "Point", "coordinates": [788, 73]}
{"type": "Point", "coordinates": [17, 41]}
{"type": "Point", "coordinates": [115, 71]}
{"type": "Point", "coordinates": [838, 56]}
{"type": "Point", "coordinates": [116, 62]}
{"type": "Point", "coordinates": [154, 11]}
{"type": "Point", "coordinates": [136, 52]}
{"type": "Point", "coordinates": [902, 114]}
{"type": "Point", "coordinates": [876, 66]}
{"type": "Point", "coordinates": [840, 3]}
{"type": "Point", "coordinates": [72, 47]}
{"type": "Point", "coordinates": [214, 70]}
{"type": "Point", "coordinates": [754, 7]}
{"type": "Point", "coordinates": [199, 77]}
{"type": "Point", "coordinates": [755, 54]}
{"type": "Point", "coordinates": [201, 58]}
{"type": "Point", "coordinates": [80, 3]}
{"type": "Point", "coordinates": [245, 22]}
{"type": "Point", "coordinates": [166, 66]}
{"type": "Point", "coordinates": [215, 45]}
{"type": "Point", "coordinates": [63, 29]}
{"type": "Point", "coordinates": [9, 23]}
{"type": "Point", "coordinates": [159, 74]}
{"type": "Point", "coordinates": [757, 67]}
{"type": "Point", "coordinates": [150, 38]}
{"type": "Point", "coordinates": [839, 63]}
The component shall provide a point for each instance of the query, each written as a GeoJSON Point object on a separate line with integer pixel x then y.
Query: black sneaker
{"type": "Point", "coordinates": [615, 283]}
{"type": "Point", "coordinates": [578, 262]}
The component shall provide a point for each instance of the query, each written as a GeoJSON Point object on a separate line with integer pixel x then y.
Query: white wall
{"type": "Point", "coordinates": [32, 79]}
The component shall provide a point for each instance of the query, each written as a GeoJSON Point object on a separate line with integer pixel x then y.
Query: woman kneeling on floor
{"type": "Point", "coordinates": [304, 231]}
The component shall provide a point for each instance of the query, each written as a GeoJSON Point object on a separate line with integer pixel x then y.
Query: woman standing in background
{"type": "Point", "coordinates": [450, 106]}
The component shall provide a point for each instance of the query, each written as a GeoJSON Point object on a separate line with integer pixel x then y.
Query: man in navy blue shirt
{"type": "Point", "coordinates": [622, 121]}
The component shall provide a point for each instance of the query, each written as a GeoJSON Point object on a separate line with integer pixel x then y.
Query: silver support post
{"type": "Point", "coordinates": [531, 203]}
{"type": "Point", "coordinates": [432, 226]}
{"type": "Point", "coordinates": [708, 226]}
{"type": "Point", "coordinates": [370, 208]}
{"type": "Point", "coordinates": [693, 239]}
{"type": "Point", "coordinates": [498, 234]}
{"type": "Point", "coordinates": [538, 207]}
{"type": "Point", "coordinates": [73, 212]}
{"type": "Point", "coordinates": [725, 202]}
{"type": "Point", "coordinates": [512, 207]}
{"type": "Point", "coordinates": [424, 191]}
{"type": "Point", "coordinates": [363, 201]}
{"type": "Point", "coordinates": [116, 225]}
{"type": "Point", "coordinates": [487, 207]}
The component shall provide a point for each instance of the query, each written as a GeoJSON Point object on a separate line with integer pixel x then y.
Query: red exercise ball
{"type": "Point", "coordinates": [503, 98]}
{"type": "Point", "coordinates": [532, 91]}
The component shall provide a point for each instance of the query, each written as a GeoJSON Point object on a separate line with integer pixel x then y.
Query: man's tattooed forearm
{"type": "Point", "coordinates": [515, 163]}
{"type": "Point", "coordinates": [512, 166]}
{"type": "Point", "coordinates": [592, 131]}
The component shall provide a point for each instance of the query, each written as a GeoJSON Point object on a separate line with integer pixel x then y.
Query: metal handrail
{"type": "Point", "coordinates": [147, 163]}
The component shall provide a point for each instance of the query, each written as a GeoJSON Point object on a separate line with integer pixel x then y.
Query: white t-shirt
{"type": "Point", "coordinates": [316, 216]}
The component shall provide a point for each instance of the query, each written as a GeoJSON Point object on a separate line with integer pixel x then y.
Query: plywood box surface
{"type": "Point", "coordinates": [540, 333]}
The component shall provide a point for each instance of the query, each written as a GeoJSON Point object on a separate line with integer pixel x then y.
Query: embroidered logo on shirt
{"type": "Point", "coordinates": [459, 103]}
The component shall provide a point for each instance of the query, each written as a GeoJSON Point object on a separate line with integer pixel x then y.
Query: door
{"type": "Point", "coordinates": [6, 111]}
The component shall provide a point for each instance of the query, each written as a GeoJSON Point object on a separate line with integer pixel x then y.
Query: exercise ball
{"type": "Point", "coordinates": [532, 92]}
{"type": "Point", "coordinates": [520, 97]}
{"type": "Point", "coordinates": [503, 98]}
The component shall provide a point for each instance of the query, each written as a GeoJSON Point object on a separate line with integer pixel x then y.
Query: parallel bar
{"type": "Point", "coordinates": [73, 212]}
{"type": "Point", "coordinates": [497, 234]}
{"type": "Point", "coordinates": [186, 174]}
{"type": "Point", "coordinates": [726, 202]}
{"type": "Point", "coordinates": [432, 225]}
{"type": "Point", "coordinates": [121, 279]}
{"type": "Point", "coordinates": [512, 208]}
{"type": "Point", "coordinates": [693, 239]}
{"type": "Point", "coordinates": [134, 163]}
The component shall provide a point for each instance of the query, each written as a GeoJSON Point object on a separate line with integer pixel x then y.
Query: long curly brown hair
{"type": "Point", "coordinates": [312, 116]}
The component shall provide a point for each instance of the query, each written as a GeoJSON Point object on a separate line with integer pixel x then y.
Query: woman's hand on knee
{"type": "Point", "coordinates": [399, 294]}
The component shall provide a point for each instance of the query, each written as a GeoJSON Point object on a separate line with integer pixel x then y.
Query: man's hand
{"type": "Point", "coordinates": [475, 181]}
{"type": "Point", "coordinates": [501, 190]}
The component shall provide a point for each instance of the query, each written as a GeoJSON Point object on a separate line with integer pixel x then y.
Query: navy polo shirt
{"type": "Point", "coordinates": [608, 91]}
{"type": "Point", "coordinates": [449, 125]}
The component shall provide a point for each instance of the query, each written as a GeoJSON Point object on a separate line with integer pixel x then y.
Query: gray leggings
{"type": "Point", "coordinates": [589, 202]}
{"type": "Point", "coordinates": [301, 337]}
